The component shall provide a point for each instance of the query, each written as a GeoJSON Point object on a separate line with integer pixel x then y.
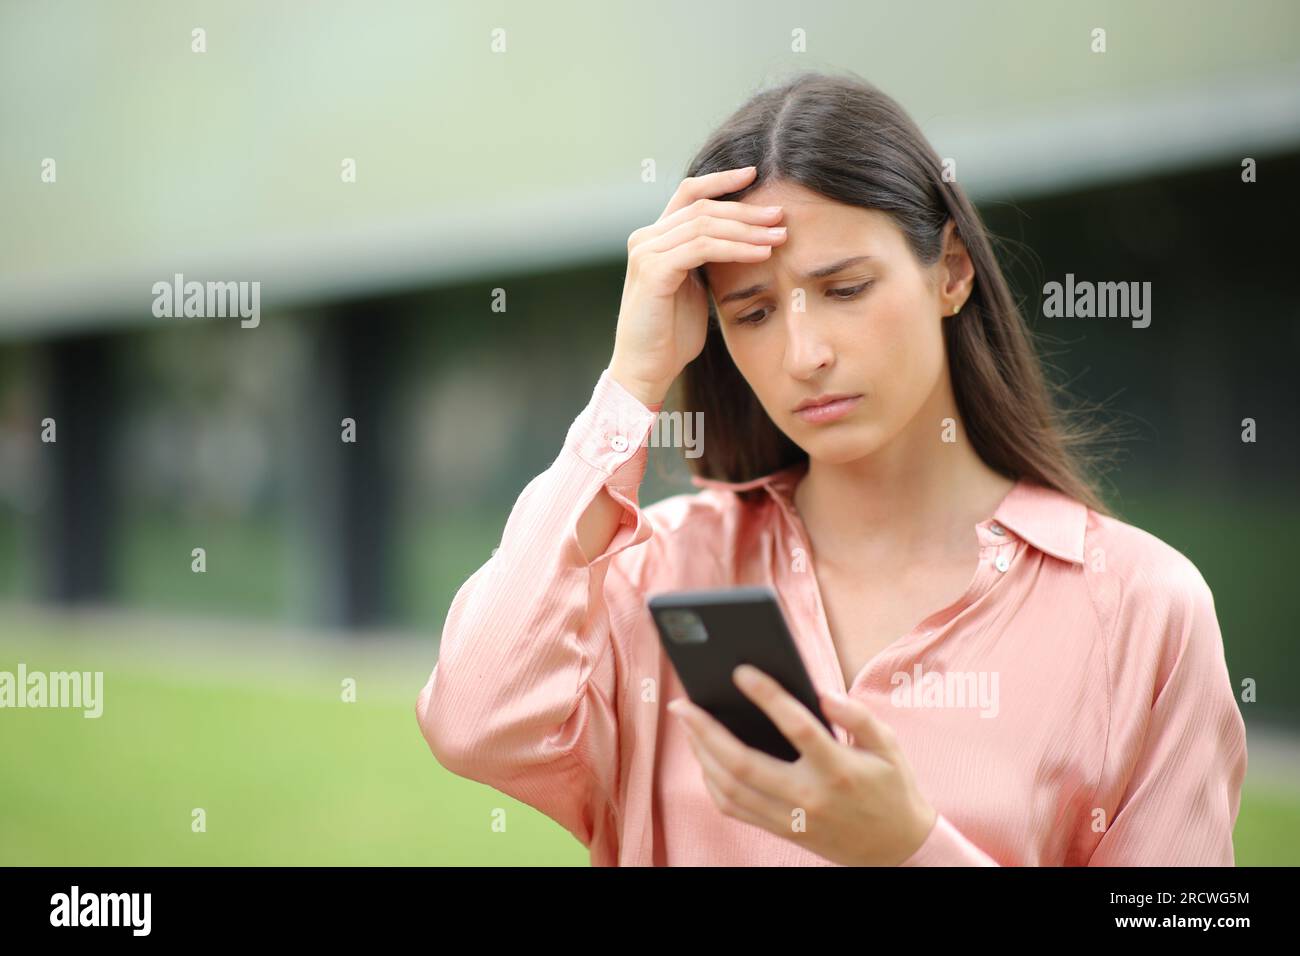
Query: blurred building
{"type": "Point", "coordinates": [386, 186]}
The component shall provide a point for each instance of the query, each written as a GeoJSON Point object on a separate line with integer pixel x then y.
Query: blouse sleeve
{"type": "Point", "coordinates": [1181, 799]}
{"type": "Point", "coordinates": [947, 846]}
{"type": "Point", "coordinates": [523, 695]}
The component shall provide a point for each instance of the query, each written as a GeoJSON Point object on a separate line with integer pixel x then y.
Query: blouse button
{"type": "Point", "coordinates": [618, 443]}
{"type": "Point", "coordinates": [1002, 563]}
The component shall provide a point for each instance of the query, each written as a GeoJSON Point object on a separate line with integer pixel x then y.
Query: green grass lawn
{"type": "Point", "coordinates": [286, 772]}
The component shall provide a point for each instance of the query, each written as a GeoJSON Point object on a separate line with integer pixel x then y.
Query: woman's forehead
{"type": "Point", "coordinates": [817, 237]}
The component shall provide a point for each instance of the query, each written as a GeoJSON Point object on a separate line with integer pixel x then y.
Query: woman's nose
{"type": "Point", "coordinates": [806, 348]}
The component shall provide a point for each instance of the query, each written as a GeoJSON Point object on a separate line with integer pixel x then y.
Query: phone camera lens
{"type": "Point", "coordinates": [684, 627]}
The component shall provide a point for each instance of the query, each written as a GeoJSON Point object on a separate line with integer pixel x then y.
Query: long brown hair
{"type": "Point", "coordinates": [840, 136]}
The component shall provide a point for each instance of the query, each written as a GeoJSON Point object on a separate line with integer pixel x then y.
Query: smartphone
{"type": "Point", "coordinates": [706, 634]}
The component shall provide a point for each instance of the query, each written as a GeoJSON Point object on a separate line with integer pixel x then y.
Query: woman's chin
{"type": "Point", "coordinates": [841, 443]}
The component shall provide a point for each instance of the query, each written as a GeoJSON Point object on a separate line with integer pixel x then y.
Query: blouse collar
{"type": "Point", "coordinates": [1051, 521]}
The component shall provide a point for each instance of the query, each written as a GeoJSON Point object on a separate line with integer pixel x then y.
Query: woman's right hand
{"type": "Point", "coordinates": [663, 318]}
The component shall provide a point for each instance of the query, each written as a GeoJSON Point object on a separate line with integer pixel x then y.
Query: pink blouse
{"type": "Point", "coordinates": [1117, 741]}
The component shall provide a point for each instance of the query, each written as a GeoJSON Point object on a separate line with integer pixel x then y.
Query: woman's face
{"type": "Point", "coordinates": [872, 328]}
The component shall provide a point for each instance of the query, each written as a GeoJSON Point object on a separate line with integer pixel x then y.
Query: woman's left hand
{"type": "Point", "coordinates": [855, 805]}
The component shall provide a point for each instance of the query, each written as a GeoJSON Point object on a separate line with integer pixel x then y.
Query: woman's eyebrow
{"type": "Point", "coordinates": [819, 273]}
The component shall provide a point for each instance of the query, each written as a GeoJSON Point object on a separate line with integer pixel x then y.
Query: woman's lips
{"type": "Point", "coordinates": [819, 414]}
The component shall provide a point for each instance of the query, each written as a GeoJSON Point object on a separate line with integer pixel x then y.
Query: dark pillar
{"type": "Point", "coordinates": [344, 491]}
{"type": "Point", "coordinates": [366, 467]}
{"type": "Point", "coordinates": [75, 521]}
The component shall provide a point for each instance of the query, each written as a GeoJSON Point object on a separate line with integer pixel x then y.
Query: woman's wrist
{"type": "Point", "coordinates": [924, 819]}
{"type": "Point", "coordinates": [646, 393]}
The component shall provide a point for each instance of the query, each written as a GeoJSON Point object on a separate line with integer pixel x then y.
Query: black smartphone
{"type": "Point", "coordinates": [708, 633]}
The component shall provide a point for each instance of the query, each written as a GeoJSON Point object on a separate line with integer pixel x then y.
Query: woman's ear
{"type": "Point", "coordinates": [957, 275]}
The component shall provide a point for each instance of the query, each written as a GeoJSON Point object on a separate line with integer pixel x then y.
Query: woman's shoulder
{"type": "Point", "coordinates": [1140, 580]}
{"type": "Point", "coordinates": [1141, 555]}
{"type": "Point", "coordinates": [692, 532]}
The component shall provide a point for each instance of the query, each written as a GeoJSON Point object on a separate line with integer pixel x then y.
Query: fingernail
{"type": "Point", "coordinates": [776, 232]}
{"type": "Point", "coordinates": [771, 210]}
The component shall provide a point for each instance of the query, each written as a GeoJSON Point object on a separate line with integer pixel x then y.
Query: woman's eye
{"type": "Point", "coordinates": [849, 293]}
{"type": "Point", "coordinates": [753, 318]}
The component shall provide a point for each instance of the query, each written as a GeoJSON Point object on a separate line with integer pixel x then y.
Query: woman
{"type": "Point", "coordinates": [1015, 676]}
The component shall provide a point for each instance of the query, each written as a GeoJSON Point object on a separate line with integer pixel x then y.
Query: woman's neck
{"type": "Point", "coordinates": [916, 499]}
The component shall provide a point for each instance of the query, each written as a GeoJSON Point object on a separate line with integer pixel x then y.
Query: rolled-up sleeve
{"type": "Point", "coordinates": [523, 695]}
